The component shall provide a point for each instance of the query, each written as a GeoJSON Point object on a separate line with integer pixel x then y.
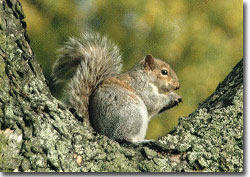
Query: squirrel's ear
{"type": "Point", "coordinates": [149, 62]}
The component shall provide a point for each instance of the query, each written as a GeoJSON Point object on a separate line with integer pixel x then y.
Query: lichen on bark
{"type": "Point", "coordinates": [39, 133]}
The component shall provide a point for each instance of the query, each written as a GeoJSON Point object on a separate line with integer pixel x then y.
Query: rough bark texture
{"type": "Point", "coordinates": [39, 133]}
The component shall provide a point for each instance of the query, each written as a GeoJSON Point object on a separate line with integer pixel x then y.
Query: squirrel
{"type": "Point", "coordinates": [117, 105]}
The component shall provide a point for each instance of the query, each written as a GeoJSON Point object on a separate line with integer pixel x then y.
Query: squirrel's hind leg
{"type": "Point", "coordinates": [119, 114]}
{"type": "Point", "coordinates": [139, 120]}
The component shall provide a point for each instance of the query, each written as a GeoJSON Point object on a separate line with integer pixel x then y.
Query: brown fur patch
{"type": "Point", "coordinates": [122, 80]}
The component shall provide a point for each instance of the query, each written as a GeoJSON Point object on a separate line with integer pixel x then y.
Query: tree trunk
{"type": "Point", "coordinates": [38, 133]}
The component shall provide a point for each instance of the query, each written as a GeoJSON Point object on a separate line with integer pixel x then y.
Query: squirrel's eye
{"type": "Point", "coordinates": [164, 72]}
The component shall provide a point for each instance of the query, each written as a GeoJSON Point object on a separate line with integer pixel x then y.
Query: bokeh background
{"type": "Point", "coordinates": [201, 39]}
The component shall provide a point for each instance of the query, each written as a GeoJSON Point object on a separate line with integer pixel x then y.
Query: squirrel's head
{"type": "Point", "coordinates": [164, 77]}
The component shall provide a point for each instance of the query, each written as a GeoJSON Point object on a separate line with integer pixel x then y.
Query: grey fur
{"type": "Point", "coordinates": [85, 62]}
{"type": "Point", "coordinates": [114, 114]}
{"type": "Point", "coordinates": [124, 114]}
{"type": "Point", "coordinates": [143, 84]}
{"type": "Point", "coordinates": [119, 106]}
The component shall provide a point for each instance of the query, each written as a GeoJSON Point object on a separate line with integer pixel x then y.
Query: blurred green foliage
{"type": "Point", "coordinates": [201, 39]}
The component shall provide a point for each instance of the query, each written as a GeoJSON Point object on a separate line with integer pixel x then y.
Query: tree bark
{"type": "Point", "coordinates": [39, 133]}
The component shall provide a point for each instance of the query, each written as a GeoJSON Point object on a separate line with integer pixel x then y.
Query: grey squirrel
{"type": "Point", "coordinates": [119, 106]}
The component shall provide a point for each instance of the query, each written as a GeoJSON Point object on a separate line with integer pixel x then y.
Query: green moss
{"type": "Point", "coordinates": [2, 24]}
{"type": "Point", "coordinates": [3, 144]}
{"type": "Point", "coordinates": [216, 144]}
{"type": "Point", "coordinates": [149, 152]}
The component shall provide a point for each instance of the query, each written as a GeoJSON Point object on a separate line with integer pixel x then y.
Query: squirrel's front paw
{"type": "Point", "coordinates": [175, 99]}
{"type": "Point", "coordinates": [178, 99]}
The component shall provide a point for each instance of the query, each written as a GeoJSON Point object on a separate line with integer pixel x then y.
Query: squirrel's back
{"type": "Point", "coordinates": [83, 63]}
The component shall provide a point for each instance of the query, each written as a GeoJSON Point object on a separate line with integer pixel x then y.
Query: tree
{"type": "Point", "coordinates": [39, 133]}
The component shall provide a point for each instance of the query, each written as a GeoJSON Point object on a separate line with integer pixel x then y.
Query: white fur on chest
{"type": "Point", "coordinates": [155, 89]}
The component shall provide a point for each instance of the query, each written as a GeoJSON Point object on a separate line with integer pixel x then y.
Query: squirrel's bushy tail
{"type": "Point", "coordinates": [85, 62]}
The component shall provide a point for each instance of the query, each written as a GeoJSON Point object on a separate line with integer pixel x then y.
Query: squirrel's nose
{"type": "Point", "coordinates": [177, 86]}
